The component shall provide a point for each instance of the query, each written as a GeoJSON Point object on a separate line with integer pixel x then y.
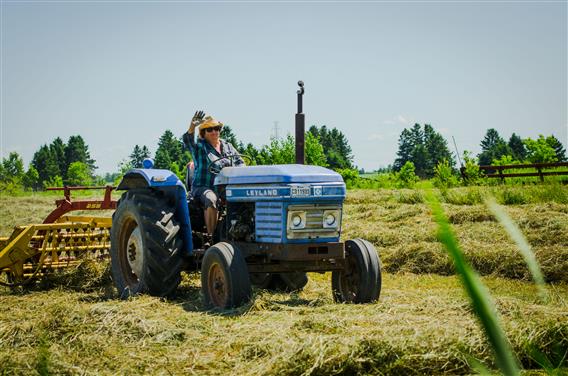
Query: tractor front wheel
{"type": "Point", "coordinates": [360, 281]}
{"type": "Point", "coordinates": [225, 279]}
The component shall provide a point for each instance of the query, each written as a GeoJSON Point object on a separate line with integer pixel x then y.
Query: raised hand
{"type": "Point", "coordinates": [196, 120]}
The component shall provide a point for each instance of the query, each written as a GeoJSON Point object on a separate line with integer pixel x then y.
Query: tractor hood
{"type": "Point", "coordinates": [292, 173]}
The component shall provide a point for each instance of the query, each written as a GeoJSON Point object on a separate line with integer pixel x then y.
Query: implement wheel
{"type": "Point", "coordinates": [225, 279]}
{"type": "Point", "coordinates": [360, 281]}
{"type": "Point", "coordinates": [146, 244]}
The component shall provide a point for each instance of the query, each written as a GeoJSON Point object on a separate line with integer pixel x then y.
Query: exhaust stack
{"type": "Point", "coordinates": [300, 126]}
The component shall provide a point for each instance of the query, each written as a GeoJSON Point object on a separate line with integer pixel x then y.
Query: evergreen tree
{"type": "Point", "coordinates": [45, 164]}
{"type": "Point", "coordinates": [228, 135]}
{"type": "Point", "coordinates": [252, 153]}
{"type": "Point", "coordinates": [558, 148]}
{"type": "Point", "coordinates": [405, 148]}
{"type": "Point", "coordinates": [77, 151]}
{"type": "Point", "coordinates": [138, 155]}
{"type": "Point", "coordinates": [57, 151]}
{"type": "Point", "coordinates": [437, 149]}
{"type": "Point", "coordinates": [171, 151]}
{"type": "Point", "coordinates": [337, 150]}
{"type": "Point", "coordinates": [493, 146]}
{"type": "Point", "coordinates": [518, 150]}
{"type": "Point", "coordinates": [424, 147]}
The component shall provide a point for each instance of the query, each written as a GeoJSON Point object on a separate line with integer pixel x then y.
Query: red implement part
{"type": "Point", "coordinates": [66, 205]}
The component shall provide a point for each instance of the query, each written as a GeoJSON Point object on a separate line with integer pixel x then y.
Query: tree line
{"type": "Point", "coordinates": [426, 150]}
{"type": "Point", "coordinates": [58, 163]}
{"type": "Point", "coordinates": [421, 151]}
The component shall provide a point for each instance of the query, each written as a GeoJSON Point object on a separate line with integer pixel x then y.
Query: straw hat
{"type": "Point", "coordinates": [209, 122]}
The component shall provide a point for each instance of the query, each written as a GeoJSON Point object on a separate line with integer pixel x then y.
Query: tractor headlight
{"type": "Point", "coordinates": [331, 218]}
{"type": "Point", "coordinates": [296, 220]}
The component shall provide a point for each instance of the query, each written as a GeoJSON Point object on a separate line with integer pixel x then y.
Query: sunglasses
{"type": "Point", "coordinates": [209, 130]}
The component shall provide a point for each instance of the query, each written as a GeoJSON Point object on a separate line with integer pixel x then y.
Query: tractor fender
{"type": "Point", "coordinates": [146, 177]}
{"type": "Point", "coordinates": [168, 181]}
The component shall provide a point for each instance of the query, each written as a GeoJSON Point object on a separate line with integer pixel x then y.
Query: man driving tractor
{"type": "Point", "coordinates": [210, 154]}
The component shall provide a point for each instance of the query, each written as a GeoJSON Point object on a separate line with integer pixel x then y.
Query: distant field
{"type": "Point", "coordinates": [422, 324]}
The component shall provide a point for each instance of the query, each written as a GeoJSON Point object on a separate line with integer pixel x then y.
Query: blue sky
{"type": "Point", "coordinates": [120, 74]}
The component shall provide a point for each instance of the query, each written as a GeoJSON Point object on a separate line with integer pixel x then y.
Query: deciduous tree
{"type": "Point", "coordinates": [540, 151]}
{"type": "Point", "coordinates": [78, 174]}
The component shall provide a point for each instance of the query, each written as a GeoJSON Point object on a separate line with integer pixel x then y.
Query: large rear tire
{"type": "Point", "coordinates": [360, 281]}
{"type": "Point", "coordinates": [146, 244]}
{"type": "Point", "coordinates": [225, 279]}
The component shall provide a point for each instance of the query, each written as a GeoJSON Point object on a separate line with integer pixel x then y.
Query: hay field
{"type": "Point", "coordinates": [74, 324]}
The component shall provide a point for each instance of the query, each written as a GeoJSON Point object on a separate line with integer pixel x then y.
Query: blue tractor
{"type": "Point", "coordinates": [276, 224]}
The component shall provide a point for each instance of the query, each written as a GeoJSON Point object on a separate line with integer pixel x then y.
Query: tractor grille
{"type": "Point", "coordinates": [314, 216]}
{"type": "Point", "coordinates": [268, 223]}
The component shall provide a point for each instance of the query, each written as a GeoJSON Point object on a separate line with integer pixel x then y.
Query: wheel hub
{"type": "Point", "coordinates": [217, 286]}
{"type": "Point", "coordinates": [135, 254]}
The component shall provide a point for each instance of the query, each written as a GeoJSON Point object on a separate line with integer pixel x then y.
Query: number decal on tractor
{"type": "Point", "coordinates": [300, 191]}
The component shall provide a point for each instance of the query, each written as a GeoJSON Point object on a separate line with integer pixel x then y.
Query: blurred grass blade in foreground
{"type": "Point", "coordinates": [517, 236]}
{"type": "Point", "coordinates": [478, 294]}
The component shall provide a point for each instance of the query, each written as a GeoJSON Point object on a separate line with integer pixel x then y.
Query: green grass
{"type": "Point", "coordinates": [480, 298]}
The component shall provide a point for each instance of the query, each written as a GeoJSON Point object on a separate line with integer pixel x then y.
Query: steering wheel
{"type": "Point", "coordinates": [215, 169]}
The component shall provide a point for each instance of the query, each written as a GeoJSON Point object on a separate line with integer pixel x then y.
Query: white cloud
{"type": "Point", "coordinates": [376, 136]}
{"type": "Point", "coordinates": [399, 120]}
{"type": "Point", "coordinates": [402, 120]}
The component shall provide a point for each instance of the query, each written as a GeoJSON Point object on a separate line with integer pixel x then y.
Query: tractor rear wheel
{"type": "Point", "coordinates": [225, 279]}
{"type": "Point", "coordinates": [146, 244]}
{"type": "Point", "coordinates": [360, 281]}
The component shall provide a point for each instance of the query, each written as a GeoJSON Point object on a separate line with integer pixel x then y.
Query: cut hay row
{"type": "Point", "coordinates": [405, 234]}
{"type": "Point", "coordinates": [399, 224]}
{"type": "Point", "coordinates": [422, 325]}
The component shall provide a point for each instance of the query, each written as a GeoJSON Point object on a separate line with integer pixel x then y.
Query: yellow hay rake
{"type": "Point", "coordinates": [64, 241]}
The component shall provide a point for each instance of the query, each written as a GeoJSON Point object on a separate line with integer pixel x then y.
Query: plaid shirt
{"type": "Point", "coordinates": [204, 155]}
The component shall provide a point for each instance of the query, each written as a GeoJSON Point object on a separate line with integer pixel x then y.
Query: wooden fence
{"type": "Point", "coordinates": [542, 170]}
